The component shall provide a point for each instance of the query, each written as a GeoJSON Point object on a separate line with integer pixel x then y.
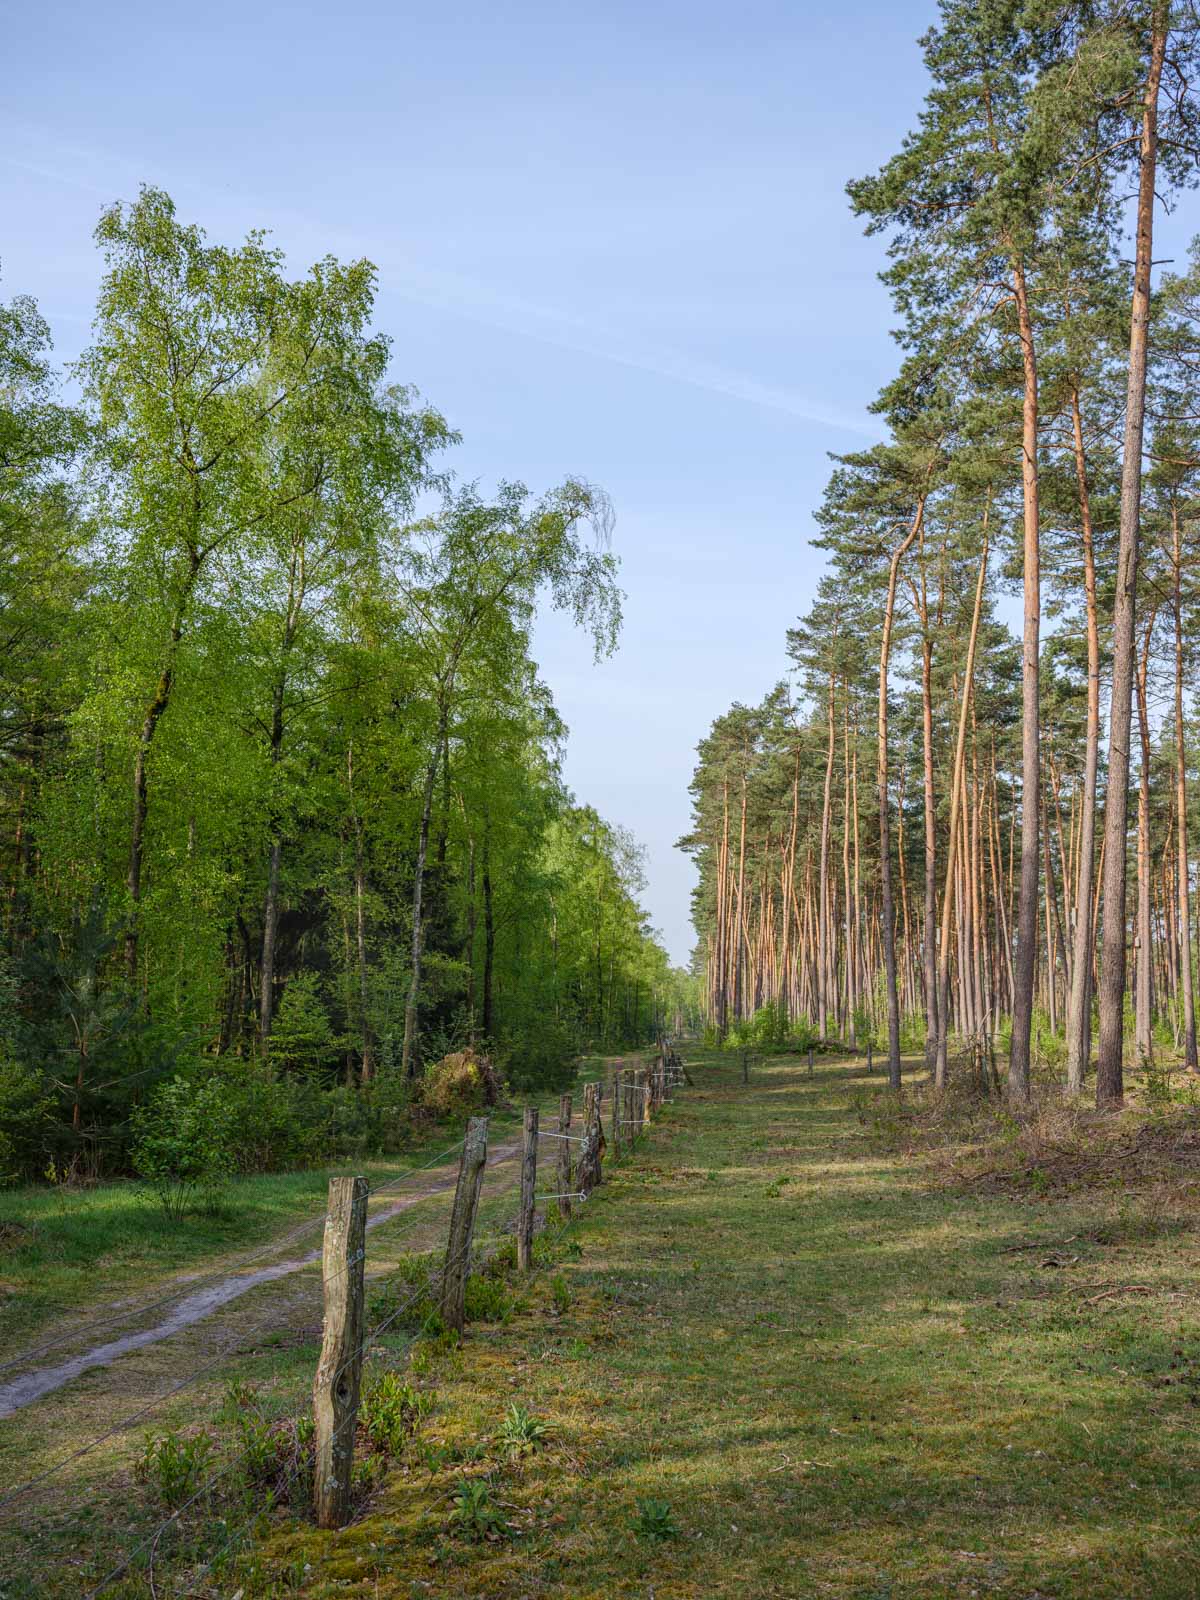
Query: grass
{"type": "Point", "coordinates": [82, 1247]}
{"type": "Point", "coordinates": [58, 1243]}
{"type": "Point", "coordinates": [794, 1363]}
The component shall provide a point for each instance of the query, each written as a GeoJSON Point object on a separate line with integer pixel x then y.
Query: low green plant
{"type": "Point", "coordinates": [1049, 1046]}
{"type": "Point", "coordinates": [502, 1261]}
{"type": "Point", "coordinates": [521, 1433]}
{"type": "Point", "coordinates": [258, 1449]}
{"type": "Point", "coordinates": [560, 1294]}
{"type": "Point", "coordinates": [488, 1300]}
{"type": "Point", "coordinates": [1158, 1087]}
{"type": "Point", "coordinates": [176, 1466]}
{"type": "Point", "coordinates": [655, 1520]}
{"type": "Point", "coordinates": [392, 1410]}
{"type": "Point", "coordinates": [474, 1513]}
{"type": "Point", "coordinates": [405, 1298]}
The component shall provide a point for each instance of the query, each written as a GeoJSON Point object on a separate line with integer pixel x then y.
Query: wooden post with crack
{"type": "Point", "coordinates": [563, 1165]}
{"type": "Point", "coordinates": [462, 1224]}
{"type": "Point", "coordinates": [529, 1154]}
{"type": "Point", "coordinates": [593, 1140]}
{"type": "Point", "coordinates": [339, 1369]}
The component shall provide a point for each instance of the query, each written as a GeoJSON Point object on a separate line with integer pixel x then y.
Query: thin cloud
{"type": "Point", "coordinates": [473, 301]}
{"type": "Point", "coordinates": [463, 297]}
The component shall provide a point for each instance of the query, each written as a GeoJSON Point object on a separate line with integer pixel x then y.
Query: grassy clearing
{"type": "Point", "coordinates": [789, 1360]}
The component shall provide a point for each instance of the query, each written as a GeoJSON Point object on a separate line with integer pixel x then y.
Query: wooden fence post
{"type": "Point", "coordinates": [563, 1164]}
{"type": "Point", "coordinates": [529, 1155]}
{"type": "Point", "coordinates": [339, 1369]}
{"type": "Point", "coordinates": [745, 1066]}
{"type": "Point", "coordinates": [618, 1110]}
{"type": "Point", "coordinates": [462, 1223]}
{"type": "Point", "coordinates": [870, 1057]}
{"type": "Point", "coordinates": [597, 1134]}
{"type": "Point", "coordinates": [588, 1174]}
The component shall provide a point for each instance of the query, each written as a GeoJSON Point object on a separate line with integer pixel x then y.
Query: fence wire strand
{"type": "Point", "coordinates": [268, 1323]}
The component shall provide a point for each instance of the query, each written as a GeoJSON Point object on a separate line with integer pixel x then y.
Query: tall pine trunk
{"type": "Point", "coordinates": [956, 791]}
{"type": "Point", "coordinates": [1025, 962]}
{"type": "Point", "coordinates": [885, 846]}
{"type": "Point", "coordinates": [824, 931]}
{"type": "Point", "coordinates": [1181, 836]}
{"type": "Point", "coordinates": [1110, 1080]}
{"type": "Point", "coordinates": [1079, 1002]}
{"type": "Point", "coordinates": [929, 939]}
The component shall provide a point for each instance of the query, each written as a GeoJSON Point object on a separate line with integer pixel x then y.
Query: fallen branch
{"type": "Point", "coordinates": [1124, 1288]}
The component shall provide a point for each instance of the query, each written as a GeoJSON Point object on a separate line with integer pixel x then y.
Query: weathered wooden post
{"type": "Point", "coordinates": [870, 1057]}
{"type": "Point", "coordinates": [462, 1223]}
{"type": "Point", "coordinates": [589, 1149]}
{"type": "Point", "coordinates": [597, 1122]}
{"type": "Point", "coordinates": [618, 1110]}
{"type": "Point", "coordinates": [745, 1066]}
{"type": "Point", "coordinates": [529, 1155]}
{"type": "Point", "coordinates": [639, 1100]}
{"type": "Point", "coordinates": [339, 1369]}
{"type": "Point", "coordinates": [563, 1165]}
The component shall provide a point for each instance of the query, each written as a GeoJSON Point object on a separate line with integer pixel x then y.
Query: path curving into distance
{"type": "Point", "coordinates": [30, 1386]}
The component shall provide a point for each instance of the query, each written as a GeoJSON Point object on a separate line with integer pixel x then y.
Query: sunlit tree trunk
{"type": "Point", "coordinates": [1027, 905]}
{"type": "Point", "coordinates": [1110, 1086]}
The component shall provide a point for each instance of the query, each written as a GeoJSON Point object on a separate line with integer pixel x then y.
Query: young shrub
{"type": "Point", "coordinates": [26, 1114]}
{"type": "Point", "coordinates": [460, 1084]}
{"type": "Point", "coordinates": [176, 1467]}
{"type": "Point", "coordinates": [655, 1520]}
{"type": "Point", "coordinates": [405, 1299]}
{"type": "Point", "coordinates": [488, 1300]}
{"type": "Point", "coordinates": [474, 1514]}
{"type": "Point", "coordinates": [522, 1433]}
{"type": "Point", "coordinates": [184, 1143]}
{"type": "Point", "coordinates": [302, 1036]}
{"type": "Point", "coordinates": [391, 1412]}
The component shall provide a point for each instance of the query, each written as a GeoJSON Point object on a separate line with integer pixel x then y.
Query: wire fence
{"type": "Point", "coordinates": [276, 1246]}
{"type": "Point", "coordinates": [472, 1258]}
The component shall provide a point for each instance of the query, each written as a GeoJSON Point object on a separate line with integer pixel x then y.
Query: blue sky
{"type": "Point", "coordinates": [612, 241]}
